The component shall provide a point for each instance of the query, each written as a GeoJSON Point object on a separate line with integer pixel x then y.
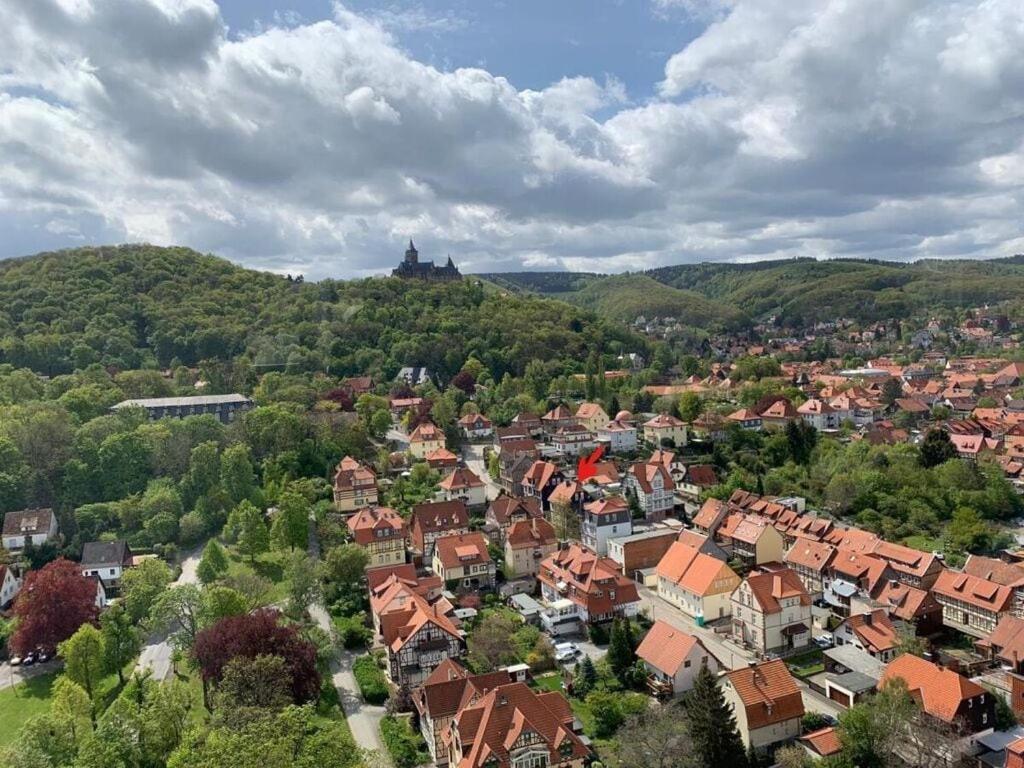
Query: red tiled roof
{"type": "Point", "coordinates": [498, 720]}
{"type": "Point", "coordinates": [665, 648]}
{"type": "Point", "coordinates": [426, 432]}
{"type": "Point", "coordinates": [694, 571]}
{"type": "Point", "coordinates": [588, 580]}
{"type": "Point", "coordinates": [768, 693]}
{"type": "Point", "coordinates": [504, 507]}
{"type": "Point", "coordinates": [995, 570]}
{"type": "Point", "coordinates": [365, 523]}
{"type": "Point", "coordinates": [824, 741]}
{"type": "Point", "coordinates": [816, 555]}
{"type": "Point", "coordinates": [712, 511]}
{"type": "Point", "coordinates": [979, 593]}
{"type": "Point", "coordinates": [1007, 640]}
{"type": "Point", "coordinates": [768, 588]}
{"type": "Point", "coordinates": [905, 602]}
{"type": "Point", "coordinates": [461, 478]}
{"type": "Point", "coordinates": [534, 532]}
{"type": "Point", "coordinates": [663, 421]}
{"type": "Point", "coordinates": [874, 630]}
{"type": "Point", "coordinates": [702, 475]}
{"type": "Point", "coordinates": [462, 550]}
{"type": "Point", "coordinates": [940, 691]}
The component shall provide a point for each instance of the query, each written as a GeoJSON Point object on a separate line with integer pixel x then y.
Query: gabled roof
{"type": "Point", "coordinates": [815, 407]}
{"type": "Point", "coordinates": [644, 475]}
{"type": "Point", "coordinates": [450, 688]}
{"type": "Point", "coordinates": [460, 479]}
{"type": "Point", "coordinates": [535, 532]}
{"type": "Point", "coordinates": [560, 412]}
{"type": "Point", "coordinates": [1007, 640]}
{"type": "Point", "coordinates": [940, 691]}
{"type": "Point", "coordinates": [712, 511]}
{"type": "Point", "coordinates": [27, 522]}
{"type": "Point", "coordinates": [702, 475]}
{"type": "Point", "coordinates": [436, 516]}
{"type": "Point", "coordinates": [590, 411]}
{"type": "Point", "coordinates": [475, 421]}
{"type": "Point", "coordinates": [666, 648]}
{"type": "Point", "coordinates": [500, 718]}
{"type": "Point", "coordinates": [874, 630]}
{"type": "Point", "coordinates": [505, 507]}
{"type": "Point", "coordinates": [588, 580]}
{"type": "Point", "coordinates": [540, 473]}
{"type": "Point", "coordinates": [907, 560]}
{"type": "Point", "coordinates": [995, 570]}
{"type": "Point", "coordinates": [609, 505]}
{"type": "Point", "coordinates": [823, 742]}
{"type": "Point", "coordinates": [106, 553]}
{"type": "Point", "coordinates": [815, 555]}
{"type": "Point", "coordinates": [462, 550]}
{"type": "Point", "coordinates": [365, 523]}
{"type": "Point", "coordinates": [980, 593]}
{"type": "Point", "coordinates": [768, 693]}
{"type": "Point", "coordinates": [695, 571]}
{"type": "Point", "coordinates": [426, 432]}
{"type": "Point", "coordinates": [769, 587]}
{"type": "Point", "coordinates": [904, 601]}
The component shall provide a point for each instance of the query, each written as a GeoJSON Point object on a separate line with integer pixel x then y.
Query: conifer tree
{"type": "Point", "coordinates": [213, 564]}
{"type": "Point", "coordinates": [716, 739]}
{"type": "Point", "coordinates": [620, 651]}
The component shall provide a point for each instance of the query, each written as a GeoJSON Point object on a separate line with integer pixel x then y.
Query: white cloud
{"type": "Point", "coordinates": [885, 128]}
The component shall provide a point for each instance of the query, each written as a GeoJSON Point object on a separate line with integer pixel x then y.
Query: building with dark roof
{"type": "Point", "coordinates": [107, 561]}
{"type": "Point", "coordinates": [225, 407]}
{"type": "Point", "coordinates": [414, 269]}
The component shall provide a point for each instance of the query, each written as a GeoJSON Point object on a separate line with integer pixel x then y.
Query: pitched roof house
{"type": "Point", "coordinates": [355, 485]}
{"type": "Point", "coordinates": [37, 525]}
{"type": "Point", "coordinates": [699, 584]}
{"type": "Point", "coordinates": [872, 632]}
{"type": "Point", "coordinates": [382, 532]}
{"type": "Point", "coordinates": [593, 586]}
{"type": "Point", "coordinates": [943, 694]}
{"type": "Point", "coordinates": [434, 519]}
{"type": "Point", "coordinates": [513, 726]}
{"type": "Point", "coordinates": [771, 611]}
{"type": "Point", "coordinates": [673, 658]}
{"type": "Point", "coordinates": [767, 703]}
{"type": "Point", "coordinates": [464, 558]}
{"type": "Point", "coordinates": [528, 542]}
{"type": "Point", "coordinates": [463, 484]}
{"type": "Point", "coordinates": [971, 604]}
{"type": "Point", "coordinates": [425, 439]}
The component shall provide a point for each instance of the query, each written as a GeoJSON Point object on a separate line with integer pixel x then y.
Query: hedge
{"type": "Point", "coordinates": [370, 678]}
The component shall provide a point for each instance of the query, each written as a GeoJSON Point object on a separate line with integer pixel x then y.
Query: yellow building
{"type": "Point", "coordinates": [382, 532]}
{"type": "Point", "coordinates": [426, 439]}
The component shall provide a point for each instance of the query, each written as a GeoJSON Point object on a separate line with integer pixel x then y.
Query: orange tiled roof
{"type": "Point", "coordinates": [974, 591]}
{"type": "Point", "coordinates": [769, 587]}
{"type": "Point", "coordinates": [365, 523]}
{"type": "Point", "coordinates": [768, 692]}
{"type": "Point", "coordinates": [874, 629]}
{"type": "Point", "coordinates": [534, 532]}
{"type": "Point", "coordinates": [462, 550]}
{"type": "Point", "coordinates": [940, 691]}
{"type": "Point", "coordinates": [665, 648]}
{"type": "Point", "coordinates": [824, 741]}
{"type": "Point", "coordinates": [694, 571]}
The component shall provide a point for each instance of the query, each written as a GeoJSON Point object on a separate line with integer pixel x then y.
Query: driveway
{"type": "Point", "coordinates": [364, 719]}
{"type": "Point", "coordinates": [156, 655]}
{"type": "Point", "coordinates": [473, 457]}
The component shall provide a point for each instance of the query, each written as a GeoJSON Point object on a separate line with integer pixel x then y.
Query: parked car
{"type": "Point", "coordinates": [29, 660]}
{"type": "Point", "coordinates": [15, 661]}
{"type": "Point", "coordinates": [565, 652]}
{"type": "Point", "coordinates": [824, 641]}
{"type": "Point", "coordinates": [42, 656]}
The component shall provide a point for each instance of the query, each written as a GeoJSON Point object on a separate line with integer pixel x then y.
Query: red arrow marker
{"type": "Point", "coordinates": [588, 465]}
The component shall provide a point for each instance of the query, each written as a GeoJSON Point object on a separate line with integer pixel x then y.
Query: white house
{"type": "Point", "coordinates": [654, 489]}
{"type": "Point", "coordinates": [771, 612]}
{"type": "Point", "coordinates": [605, 519]}
{"type": "Point", "coordinates": [10, 584]}
{"type": "Point", "coordinates": [107, 561]}
{"type": "Point", "coordinates": [819, 414]}
{"type": "Point", "coordinates": [464, 484]}
{"type": "Point", "coordinates": [618, 436]}
{"type": "Point", "coordinates": [476, 426]}
{"type": "Point", "coordinates": [37, 525]}
{"type": "Point", "coordinates": [673, 659]}
{"type": "Point", "coordinates": [872, 632]}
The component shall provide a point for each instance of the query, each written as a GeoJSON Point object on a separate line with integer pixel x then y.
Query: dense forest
{"type": "Point", "coordinates": [795, 290]}
{"type": "Point", "coordinates": [137, 306]}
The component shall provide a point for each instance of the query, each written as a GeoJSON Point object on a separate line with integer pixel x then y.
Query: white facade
{"type": "Point", "coordinates": [620, 438]}
{"type": "Point", "coordinates": [10, 586]}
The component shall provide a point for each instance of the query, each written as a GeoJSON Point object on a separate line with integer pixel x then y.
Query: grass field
{"type": "Point", "coordinates": [923, 543]}
{"type": "Point", "coordinates": [270, 565]}
{"type": "Point", "coordinates": [22, 702]}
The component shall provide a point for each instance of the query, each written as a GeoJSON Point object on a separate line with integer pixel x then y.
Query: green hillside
{"type": "Point", "coordinates": [138, 305]}
{"type": "Point", "coordinates": [798, 289]}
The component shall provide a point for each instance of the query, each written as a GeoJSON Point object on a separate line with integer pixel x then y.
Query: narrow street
{"type": "Point", "coordinates": [473, 457]}
{"type": "Point", "coordinates": [156, 655]}
{"type": "Point", "coordinates": [363, 719]}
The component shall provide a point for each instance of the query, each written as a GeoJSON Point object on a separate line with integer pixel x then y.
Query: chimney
{"type": "Point", "coordinates": [868, 618]}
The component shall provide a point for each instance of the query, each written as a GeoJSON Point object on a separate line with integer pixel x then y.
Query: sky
{"type": "Point", "coordinates": [317, 137]}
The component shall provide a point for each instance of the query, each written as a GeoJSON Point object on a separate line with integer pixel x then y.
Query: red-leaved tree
{"type": "Point", "coordinates": [465, 381]}
{"type": "Point", "coordinates": [259, 634]}
{"type": "Point", "coordinates": [53, 603]}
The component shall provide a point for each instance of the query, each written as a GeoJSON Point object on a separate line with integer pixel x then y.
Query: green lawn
{"type": "Point", "coordinates": [923, 543]}
{"type": "Point", "coordinates": [269, 565]}
{"type": "Point", "coordinates": [23, 702]}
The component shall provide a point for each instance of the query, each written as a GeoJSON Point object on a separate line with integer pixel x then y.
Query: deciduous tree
{"type": "Point", "coordinates": [54, 602]}
{"type": "Point", "coordinates": [213, 564]}
{"type": "Point", "coordinates": [120, 638]}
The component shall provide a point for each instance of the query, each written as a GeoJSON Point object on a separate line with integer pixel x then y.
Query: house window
{"type": "Point", "coordinates": [686, 664]}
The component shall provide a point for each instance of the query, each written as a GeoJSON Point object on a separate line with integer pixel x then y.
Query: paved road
{"type": "Point", "coordinates": [364, 719]}
{"type": "Point", "coordinates": [729, 654]}
{"type": "Point", "coordinates": [156, 655]}
{"type": "Point", "coordinates": [473, 456]}
{"type": "Point", "coordinates": [10, 676]}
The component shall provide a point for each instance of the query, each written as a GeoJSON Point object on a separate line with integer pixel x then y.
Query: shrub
{"type": "Point", "coordinates": [370, 678]}
{"type": "Point", "coordinates": [352, 631]}
{"type": "Point", "coordinates": [406, 747]}
{"type": "Point", "coordinates": [598, 634]}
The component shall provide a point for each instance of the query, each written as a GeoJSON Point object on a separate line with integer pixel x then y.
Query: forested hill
{"type": "Point", "coordinates": [136, 305]}
{"type": "Point", "coordinates": [800, 289]}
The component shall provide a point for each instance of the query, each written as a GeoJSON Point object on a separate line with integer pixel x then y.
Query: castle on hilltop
{"type": "Point", "coordinates": [412, 267]}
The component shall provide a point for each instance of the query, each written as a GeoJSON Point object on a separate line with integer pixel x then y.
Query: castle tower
{"type": "Point", "coordinates": [412, 256]}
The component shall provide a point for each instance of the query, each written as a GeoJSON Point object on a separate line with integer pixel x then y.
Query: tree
{"type": "Point", "coordinates": [120, 638]}
{"type": "Point", "coordinates": [716, 739]}
{"type": "Point", "coordinates": [141, 585]}
{"type": "Point", "coordinates": [611, 710]}
{"type": "Point", "coordinates": [179, 610]}
{"type": "Point", "coordinates": [690, 406]}
{"type": "Point", "coordinates": [219, 602]}
{"type": "Point", "coordinates": [291, 526]}
{"type": "Point", "coordinates": [292, 738]}
{"type": "Point", "coordinates": [491, 644]}
{"type": "Point", "coordinates": [213, 564]}
{"type": "Point", "coordinates": [892, 391]}
{"type": "Point", "coordinates": [304, 588]}
{"type": "Point", "coordinates": [585, 678]}
{"type": "Point", "coordinates": [870, 731]}
{"type": "Point", "coordinates": [345, 565]}
{"type": "Point", "coordinates": [937, 448]}
{"type": "Point", "coordinates": [253, 536]}
{"type": "Point", "coordinates": [621, 655]}
{"type": "Point", "coordinates": [54, 602]}
{"type": "Point", "coordinates": [256, 634]}
{"type": "Point", "coordinates": [237, 478]}
{"type": "Point", "coordinates": [85, 657]}
{"type": "Point", "coordinates": [261, 681]}
{"type": "Point", "coordinates": [793, 756]}
{"type": "Point", "coordinates": [658, 738]}
{"type": "Point", "coordinates": [71, 705]}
